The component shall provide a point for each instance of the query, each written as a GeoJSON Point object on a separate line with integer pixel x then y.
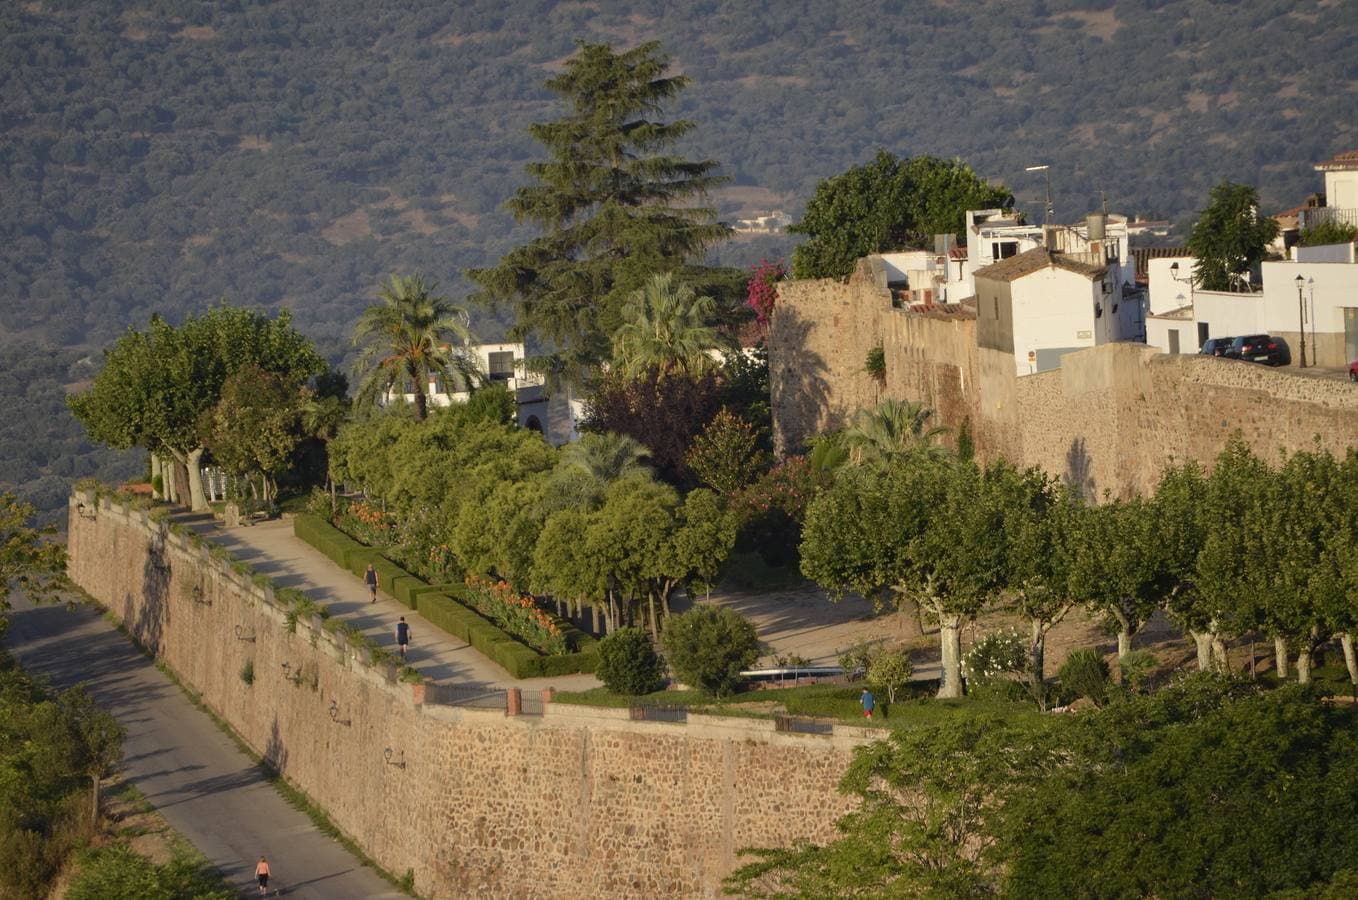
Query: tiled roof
{"type": "Point", "coordinates": [1143, 256]}
{"type": "Point", "coordinates": [957, 253]}
{"type": "Point", "coordinates": [1346, 160]}
{"type": "Point", "coordinates": [1035, 260]}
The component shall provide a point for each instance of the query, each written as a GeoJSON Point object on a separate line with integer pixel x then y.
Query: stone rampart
{"type": "Point", "coordinates": [1109, 420]}
{"type": "Point", "coordinates": [577, 802]}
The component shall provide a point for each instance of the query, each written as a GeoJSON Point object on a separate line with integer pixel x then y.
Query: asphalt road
{"type": "Point", "coordinates": [207, 789]}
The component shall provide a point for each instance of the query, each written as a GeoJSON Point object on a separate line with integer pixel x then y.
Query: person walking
{"type": "Point", "coordinates": [370, 577]}
{"type": "Point", "coordinates": [402, 635]}
{"type": "Point", "coordinates": [262, 875]}
{"type": "Point", "coordinates": [868, 703]}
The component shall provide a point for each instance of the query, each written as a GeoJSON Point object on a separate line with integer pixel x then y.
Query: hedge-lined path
{"type": "Point", "coordinates": [272, 549]}
{"type": "Point", "coordinates": [200, 781]}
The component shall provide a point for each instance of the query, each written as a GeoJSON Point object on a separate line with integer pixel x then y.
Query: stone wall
{"type": "Point", "coordinates": [577, 802]}
{"type": "Point", "coordinates": [1110, 419]}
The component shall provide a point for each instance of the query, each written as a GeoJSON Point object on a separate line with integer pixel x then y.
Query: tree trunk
{"type": "Point", "coordinates": [156, 493]}
{"type": "Point", "coordinates": [1304, 664]}
{"type": "Point", "coordinates": [1124, 632]}
{"type": "Point", "coordinates": [655, 626]}
{"type": "Point", "coordinates": [1037, 653]}
{"type": "Point", "coordinates": [1220, 658]}
{"type": "Point", "coordinates": [950, 645]}
{"type": "Point", "coordinates": [1280, 654]}
{"type": "Point", "coordinates": [421, 405]}
{"type": "Point", "coordinates": [594, 612]}
{"type": "Point", "coordinates": [1203, 641]}
{"type": "Point", "coordinates": [330, 483]}
{"type": "Point", "coordinates": [198, 500]}
{"type": "Point", "coordinates": [94, 801]}
{"type": "Point", "coordinates": [1350, 661]}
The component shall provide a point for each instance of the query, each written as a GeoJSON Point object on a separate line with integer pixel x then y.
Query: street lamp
{"type": "Point", "coordinates": [1045, 170]}
{"type": "Point", "coordinates": [1301, 318]}
{"type": "Point", "coordinates": [1174, 273]}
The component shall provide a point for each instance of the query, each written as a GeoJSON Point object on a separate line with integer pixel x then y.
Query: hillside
{"type": "Point", "coordinates": [160, 155]}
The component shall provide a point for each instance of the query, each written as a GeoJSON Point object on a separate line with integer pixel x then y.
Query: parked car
{"type": "Point", "coordinates": [1260, 348]}
{"type": "Point", "coordinates": [1215, 346]}
{"type": "Point", "coordinates": [1353, 370]}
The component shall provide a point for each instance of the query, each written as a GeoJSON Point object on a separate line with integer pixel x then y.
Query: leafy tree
{"type": "Point", "coordinates": [709, 646]}
{"type": "Point", "coordinates": [666, 327]}
{"type": "Point", "coordinates": [322, 417]}
{"type": "Point", "coordinates": [29, 561]}
{"type": "Point", "coordinates": [1230, 238]}
{"type": "Point", "coordinates": [703, 540]}
{"type": "Point", "coordinates": [156, 385]}
{"type": "Point", "coordinates": [628, 663]}
{"type": "Point", "coordinates": [615, 207]}
{"type": "Point", "coordinates": [97, 740]}
{"type": "Point", "coordinates": [562, 565]}
{"type": "Point", "coordinates": [726, 455]}
{"type": "Point", "coordinates": [405, 340]}
{"type": "Point", "coordinates": [1339, 554]}
{"type": "Point", "coordinates": [663, 414]}
{"type": "Point", "coordinates": [890, 671]}
{"type": "Point", "coordinates": [1328, 233]}
{"type": "Point", "coordinates": [255, 427]}
{"type": "Point", "coordinates": [894, 429]}
{"type": "Point", "coordinates": [628, 542]}
{"type": "Point", "coordinates": [887, 204]}
{"type": "Point", "coordinates": [930, 802]}
{"type": "Point", "coordinates": [761, 291]}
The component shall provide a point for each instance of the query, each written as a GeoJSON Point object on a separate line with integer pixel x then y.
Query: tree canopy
{"type": "Point", "coordinates": [889, 203]}
{"type": "Point", "coordinates": [614, 203]}
{"type": "Point", "coordinates": [1230, 238]}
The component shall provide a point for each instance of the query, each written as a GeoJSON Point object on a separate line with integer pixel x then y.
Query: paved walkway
{"type": "Point", "coordinates": [272, 549]}
{"type": "Point", "coordinates": [207, 789]}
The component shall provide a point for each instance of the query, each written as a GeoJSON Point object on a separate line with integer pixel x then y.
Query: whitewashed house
{"type": "Point", "coordinates": [1041, 304]}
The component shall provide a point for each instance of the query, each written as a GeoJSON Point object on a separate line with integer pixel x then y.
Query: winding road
{"type": "Point", "coordinates": [196, 776]}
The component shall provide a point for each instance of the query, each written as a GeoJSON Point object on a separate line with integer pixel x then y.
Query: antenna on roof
{"type": "Point", "coordinates": [1045, 170]}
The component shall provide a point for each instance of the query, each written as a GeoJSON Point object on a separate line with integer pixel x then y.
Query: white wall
{"type": "Point", "coordinates": [1341, 189]}
{"type": "Point", "coordinates": [1228, 314]}
{"type": "Point", "coordinates": [1327, 289]}
{"type": "Point", "coordinates": [1158, 329]}
{"type": "Point", "coordinates": [1329, 253]}
{"type": "Point", "coordinates": [1166, 293]}
{"type": "Point", "coordinates": [1053, 308]}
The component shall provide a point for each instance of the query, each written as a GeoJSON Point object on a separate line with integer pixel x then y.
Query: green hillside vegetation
{"type": "Point", "coordinates": [161, 155]}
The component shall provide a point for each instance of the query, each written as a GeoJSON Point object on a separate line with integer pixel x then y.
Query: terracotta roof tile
{"type": "Point", "coordinates": [1015, 267]}
{"type": "Point", "coordinates": [1346, 160]}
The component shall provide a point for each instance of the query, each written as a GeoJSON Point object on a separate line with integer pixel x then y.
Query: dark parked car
{"type": "Point", "coordinates": [1260, 348]}
{"type": "Point", "coordinates": [1215, 346]}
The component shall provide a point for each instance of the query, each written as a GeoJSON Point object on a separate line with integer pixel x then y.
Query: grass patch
{"type": "Point", "coordinates": [841, 703]}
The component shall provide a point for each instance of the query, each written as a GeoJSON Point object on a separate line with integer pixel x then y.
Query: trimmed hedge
{"type": "Point", "coordinates": [444, 606]}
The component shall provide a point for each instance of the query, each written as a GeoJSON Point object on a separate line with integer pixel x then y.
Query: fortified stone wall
{"type": "Point", "coordinates": [1109, 420]}
{"type": "Point", "coordinates": [577, 802]}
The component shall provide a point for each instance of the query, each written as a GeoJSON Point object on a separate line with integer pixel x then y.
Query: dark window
{"type": "Point", "coordinates": [502, 365]}
{"type": "Point", "coordinates": [1003, 249]}
{"type": "Point", "coordinates": [1202, 333]}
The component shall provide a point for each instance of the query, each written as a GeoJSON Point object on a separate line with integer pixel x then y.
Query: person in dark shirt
{"type": "Point", "coordinates": [402, 635]}
{"type": "Point", "coordinates": [370, 577]}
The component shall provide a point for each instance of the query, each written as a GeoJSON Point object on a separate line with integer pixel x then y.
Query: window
{"type": "Point", "coordinates": [1003, 249]}
{"type": "Point", "coordinates": [502, 365]}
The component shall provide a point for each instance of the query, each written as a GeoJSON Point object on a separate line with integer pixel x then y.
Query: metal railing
{"type": "Point", "coordinates": [461, 695]}
{"type": "Point", "coordinates": [794, 725]}
{"type": "Point", "coordinates": [658, 714]}
{"type": "Point", "coordinates": [1325, 215]}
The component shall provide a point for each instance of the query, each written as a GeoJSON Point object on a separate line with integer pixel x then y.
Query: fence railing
{"type": "Point", "coordinates": [802, 726]}
{"type": "Point", "coordinates": [461, 695]}
{"type": "Point", "coordinates": [658, 714]}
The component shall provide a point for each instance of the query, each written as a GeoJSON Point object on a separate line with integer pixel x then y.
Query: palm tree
{"type": "Point", "coordinates": [667, 328]}
{"type": "Point", "coordinates": [406, 338]}
{"type": "Point", "coordinates": [893, 429]}
{"type": "Point", "coordinates": [589, 465]}
{"type": "Point", "coordinates": [321, 419]}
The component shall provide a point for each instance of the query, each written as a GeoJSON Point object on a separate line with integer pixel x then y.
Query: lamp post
{"type": "Point", "coordinates": [1046, 173]}
{"type": "Point", "coordinates": [1301, 318]}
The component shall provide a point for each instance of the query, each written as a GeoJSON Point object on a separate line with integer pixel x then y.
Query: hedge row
{"type": "Point", "coordinates": [444, 606]}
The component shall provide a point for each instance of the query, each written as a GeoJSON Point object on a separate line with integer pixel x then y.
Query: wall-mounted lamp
{"type": "Point", "coordinates": [288, 674]}
{"type": "Point", "coordinates": [395, 758]}
{"type": "Point", "coordinates": [334, 715]}
{"type": "Point", "coordinates": [200, 597]}
{"type": "Point", "coordinates": [86, 512]}
{"type": "Point", "coordinates": [248, 634]}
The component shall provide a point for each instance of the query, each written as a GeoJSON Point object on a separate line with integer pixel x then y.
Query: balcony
{"type": "Point", "coordinates": [1326, 215]}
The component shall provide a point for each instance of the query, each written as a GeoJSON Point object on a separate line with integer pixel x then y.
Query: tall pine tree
{"type": "Point", "coordinates": [614, 205]}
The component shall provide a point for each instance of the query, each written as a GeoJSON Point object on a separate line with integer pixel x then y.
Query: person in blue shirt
{"type": "Point", "coordinates": [868, 703]}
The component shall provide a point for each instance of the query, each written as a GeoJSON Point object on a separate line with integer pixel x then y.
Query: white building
{"type": "Point", "coordinates": [556, 416]}
{"type": "Point", "coordinates": [1341, 193]}
{"type": "Point", "coordinates": [1039, 305]}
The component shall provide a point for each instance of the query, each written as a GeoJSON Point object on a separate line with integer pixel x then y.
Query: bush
{"type": "Point", "coordinates": [708, 647]}
{"type": "Point", "coordinates": [1085, 674]}
{"type": "Point", "coordinates": [890, 671]}
{"type": "Point", "coordinates": [119, 872]}
{"type": "Point", "coordinates": [1136, 668]}
{"type": "Point", "coordinates": [247, 672]}
{"type": "Point", "coordinates": [628, 663]}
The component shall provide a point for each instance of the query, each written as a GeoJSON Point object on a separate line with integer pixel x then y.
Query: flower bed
{"type": "Point", "coordinates": [518, 614]}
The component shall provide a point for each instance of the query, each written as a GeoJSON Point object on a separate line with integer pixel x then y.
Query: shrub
{"type": "Point", "coordinates": [995, 657]}
{"type": "Point", "coordinates": [1136, 668]}
{"type": "Point", "coordinates": [708, 646]}
{"type": "Point", "coordinates": [247, 672]}
{"type": "Point", "coordinates": [516, 613]}
{"type": "Point", "coordinates": [1085, 674]}
{"type": "Point", "coordinates": [726, 455]}
{"type": "Point", "coordinates": [119, 872]}
{"type": "Point", "coordinates": [890, 670]}
{"type": "Point", "coordinates": [854, 661]}
{"type": "Point", "coordinates": [628, 663]}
